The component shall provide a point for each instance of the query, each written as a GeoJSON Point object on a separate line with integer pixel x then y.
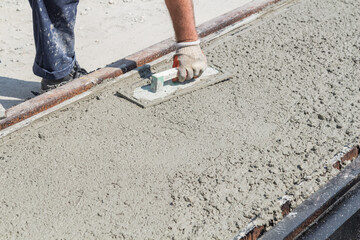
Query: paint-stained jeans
{"type": "Point", "coordinates": [54, 22]}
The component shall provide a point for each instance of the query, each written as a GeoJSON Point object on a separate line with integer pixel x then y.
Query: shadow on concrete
{"type": "Point", "coordinates": [16, 88]}
{"type": "Point", "coordinates": [145, 71]}
{"type": "Point", "coordinates": [7, 103]}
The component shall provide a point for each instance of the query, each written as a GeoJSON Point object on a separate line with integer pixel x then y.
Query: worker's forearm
{"type": "Point", "coordinates": [182, 16]}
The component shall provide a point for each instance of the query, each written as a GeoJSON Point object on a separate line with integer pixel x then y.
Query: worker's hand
{"type": "Point", "coordinates": [190, 61]}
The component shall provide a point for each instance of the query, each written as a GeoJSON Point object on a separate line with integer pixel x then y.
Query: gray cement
{"type": "Point", "coordinates": [200, 166]}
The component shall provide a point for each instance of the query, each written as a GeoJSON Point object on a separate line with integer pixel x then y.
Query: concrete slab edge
{"type": "Point", "coordinates": [305, 215]}
{"type": "Point", "coordinates": [319, 203]}
{"type": "Point", "coordinates": [52, 98]}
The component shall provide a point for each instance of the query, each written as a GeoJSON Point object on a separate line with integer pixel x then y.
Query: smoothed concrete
{"type": "Point", "coordinates": [106, 31]}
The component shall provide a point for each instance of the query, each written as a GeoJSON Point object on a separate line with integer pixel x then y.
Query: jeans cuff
{"type": "Point", "coordinates": [55, 75]}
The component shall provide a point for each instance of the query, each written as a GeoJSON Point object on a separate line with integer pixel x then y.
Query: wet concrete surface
{"type": "Point", "coordinates": [200, 166]}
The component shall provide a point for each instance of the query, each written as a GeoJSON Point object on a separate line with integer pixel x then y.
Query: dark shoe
{"type": "Point", "coordinates": [76, 72]}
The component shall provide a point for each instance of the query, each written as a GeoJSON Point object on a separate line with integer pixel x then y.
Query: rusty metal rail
{"type": "Point", "coordinates": [297, 223]}
{"type": "Point", "coordinates": [330, 213]}
{"type": "Point", "coordinates": [50, 99]}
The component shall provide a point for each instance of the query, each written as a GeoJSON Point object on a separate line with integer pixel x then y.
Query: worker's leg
{"type": "Point", "coordinates": [54, 22]}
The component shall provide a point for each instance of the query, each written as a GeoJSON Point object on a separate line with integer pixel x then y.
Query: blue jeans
{"type": "Point", "coordinates": [54, 22]}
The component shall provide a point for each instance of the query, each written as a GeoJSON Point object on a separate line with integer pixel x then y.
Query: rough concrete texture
{"type": "Point", "coordinates": [203, 165]}
{"type": "Point", "coordinates": [117, 28]}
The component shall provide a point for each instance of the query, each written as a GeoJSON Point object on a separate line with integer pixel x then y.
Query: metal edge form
{"type": "Point", "coordinates": [52, 98]}
{"type": "Point", "coordinates": [319, 203]}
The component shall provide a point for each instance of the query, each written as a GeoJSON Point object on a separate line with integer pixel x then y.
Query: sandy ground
{"type": "Point", "coordinates": [201, 166]}
{"type": "Point", "coordinates": [106, 31]}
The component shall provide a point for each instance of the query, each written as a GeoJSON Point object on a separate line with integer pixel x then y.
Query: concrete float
{"type": "Point", "coordinates": [79, 88]}
{"type": "Point", "coordinates": [46, 101]}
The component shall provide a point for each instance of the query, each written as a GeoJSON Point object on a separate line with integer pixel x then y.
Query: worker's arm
{"type": "Point", "coordinates": [189, 57]}
{"type": "Point", "coordinates": [182, 16]}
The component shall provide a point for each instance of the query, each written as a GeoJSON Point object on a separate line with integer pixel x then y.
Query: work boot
{"type": "Point", "coordinates": [76, 72]}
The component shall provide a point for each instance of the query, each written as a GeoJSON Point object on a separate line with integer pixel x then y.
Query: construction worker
{"type": "Point", "coordinates": [55, 60]}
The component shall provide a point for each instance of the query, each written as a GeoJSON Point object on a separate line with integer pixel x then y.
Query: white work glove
{"type": "Point", "coordinates": [190, 60]}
